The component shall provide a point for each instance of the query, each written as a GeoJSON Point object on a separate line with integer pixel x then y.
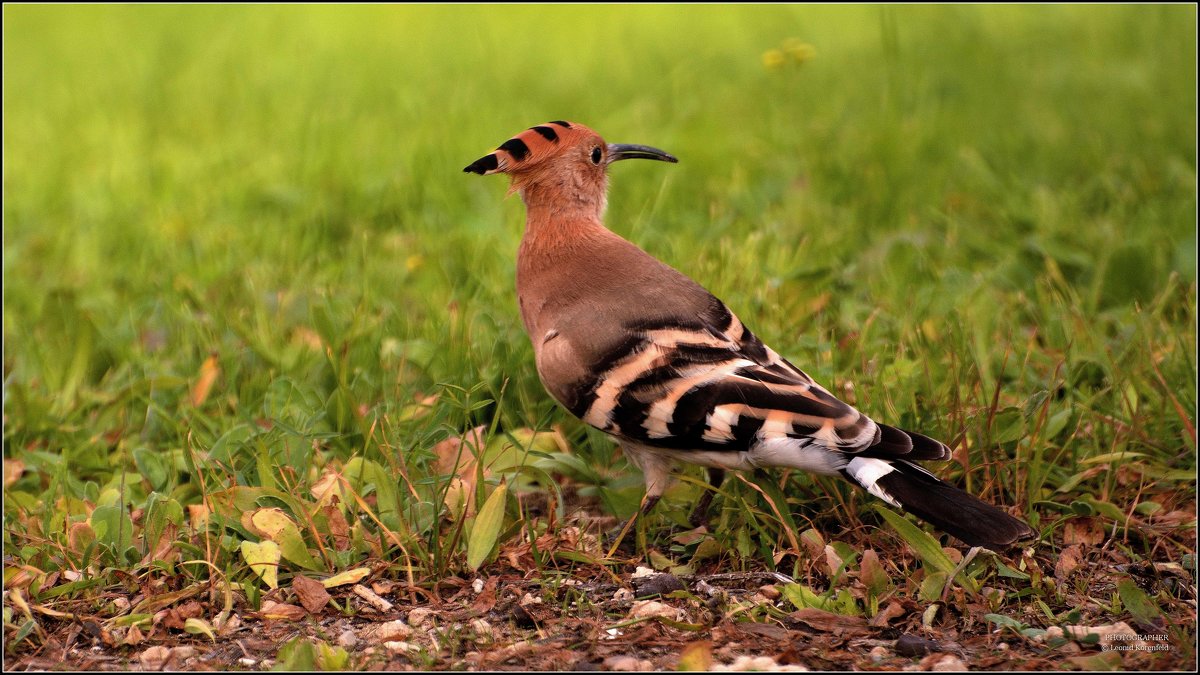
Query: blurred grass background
{"type": "Point", "coordinates": [976, 221]}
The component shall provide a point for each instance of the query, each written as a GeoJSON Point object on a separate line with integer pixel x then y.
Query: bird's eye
{"type": "Point", "coordinates": [596, 155]}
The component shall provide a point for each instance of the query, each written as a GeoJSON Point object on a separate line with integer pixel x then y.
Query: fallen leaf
{"type": "Point", "coordinates": [487, 597]}
{"type": "Point", "coordinates": [348, 577]}
{"type": "Point", "coordinates": [894, 610]}
{"type": "Point", "coordinates": [1083, 531]}
{"type": "Point", "coordinates": [281, 611]}
{"type": "Point", "coordinates": [312, 594]}
{"type": "Point", "coordinates": [133, 636]}
{"type": "Point", "coordinates": [696, 657]}
{"type": "Point", "coordinates": [828, 621]}
{"type": "Point", "coordinates": [1068, 561]}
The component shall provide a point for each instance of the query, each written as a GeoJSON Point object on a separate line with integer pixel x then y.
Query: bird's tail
{"type": "Point", "coordinates": [908, 486]}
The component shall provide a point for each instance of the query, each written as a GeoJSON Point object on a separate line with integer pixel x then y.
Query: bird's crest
{"type": "Point", "coordinates": [525, 148]}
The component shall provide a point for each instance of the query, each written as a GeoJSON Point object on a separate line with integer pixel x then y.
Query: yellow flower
{"type": "Point", "coordinates": [773, 58]}
{"type": "Point", "coordinates": [798, 51]}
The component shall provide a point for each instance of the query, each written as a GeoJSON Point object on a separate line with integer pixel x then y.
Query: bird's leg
{"type": "Point", "coordinates": [648, 503]}
{"type": "Point", "coordinates": [699, 514]}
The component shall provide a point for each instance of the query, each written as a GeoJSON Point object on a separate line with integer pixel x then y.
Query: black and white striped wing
{"type": "Point", "coordinates": [712, 385]}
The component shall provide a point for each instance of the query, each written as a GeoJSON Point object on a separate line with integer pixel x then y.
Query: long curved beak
{"type": "Point", "coordinates": [619, 151]}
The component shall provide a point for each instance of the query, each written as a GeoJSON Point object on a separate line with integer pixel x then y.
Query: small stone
{"type": "Point", "coordinates": [912, 645]}
{"type": "Point", "coordinates": [878, 654]}
{"type": "Point", "coordinates": [481, 628]}
{"type": "Point", "coordinates": [154, 658]}
{"type": "Point", "coordinates": [348, 639]}
{"type": "Point", "coordinates": [400, 647]}
{"type": "Point", "coordinates": [770, 591]}
{"type": "Point", "coordinates": [757, 663]}
{"type": "Point", "coordinates": [642, 572]}
{"type": "Point", "coordinates": [627, 664]}
{"type": "Point", "coordinates": [950, 662]}
{"type": "Point", "coordinates": [529, 599]}
{"type": "Point", "coordinates": [247, 661]}
{"type": "Point", "coordinates": [477, 586]}
{"type": "Point", "coordinates": [645, 609]}
{"type": "Point", "coordinates": [657, 584]}
{"type": "Point", "coordinates": [419, 616]}
{"type": "Point", "coordinates": [391, 630]}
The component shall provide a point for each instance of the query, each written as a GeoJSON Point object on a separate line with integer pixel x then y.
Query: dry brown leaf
{"type": "Point", "coordinates": [133, 636]}
{"type": "Point", "coordinates": [1174, 518]}
{"type": "Point", "coordinates": [1083, 531]}
{"type": "Point", "coordinates": [80, 535]}
{"type": "Point", "coordinates": [209, 370]}
{"type": "Point", "coordinates": [458, 457]}
{"type": "Point", "coordinates": [197, 516]}
{"type": "Point", "coordinates": [339, 529]}
{"type": "Point", "coordinates": [312, 594]}
{"type": "Point", "coordinates": [828, 621]}
{"type": "Point", "coordinates": [13, 470]}
{"type": "Point", "coordinates": [278, 611]}
{"type": "Point", "coordinates": [487, 597]}
{"type": "Point", "coordinates": [696, 656]}
{"type": "Point", "coordinates": [1068, 560]}
{"type": "Point", "coordinates": [894, 610]}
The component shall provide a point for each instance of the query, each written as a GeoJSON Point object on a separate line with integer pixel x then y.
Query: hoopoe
{"type": "Point", "coordinates": [638, 350]}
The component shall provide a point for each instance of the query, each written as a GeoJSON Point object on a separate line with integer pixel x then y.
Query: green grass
{"type": "Point", "coordinates": [978, 222]}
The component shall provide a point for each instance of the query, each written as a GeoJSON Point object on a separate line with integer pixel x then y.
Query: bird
{"type": "Point", "coordinates": [637, 349]}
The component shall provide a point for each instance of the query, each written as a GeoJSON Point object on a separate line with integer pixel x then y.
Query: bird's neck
{"type": "Point", "coordinates": [558, 221]}
{"type": "Point", "coordinates": [563, 239]}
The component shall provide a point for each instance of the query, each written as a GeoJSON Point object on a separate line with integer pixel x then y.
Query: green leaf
{"type": "Point", "coordinates": [263, 558]}
{"type": "Point", "coordinates": [1004, 621]}
{"type": "Point", "coordinates": [872, 574]}
{"type": "Point", "coordinates": [298, 654]}
{"type": "Point", "coordinates": [1112, 457]}
{"type": "Point", "coordinates": [153, 467]}
{"type": "Point", "coordinates": [113, 528]}
{"type": "Point", "coordinates": [486, 529]}
{"type": "Point", "coordinates": [1144, 610]}
{"type": "Point", "coordinates": [364, 474]}
{"type": "Point", "coordinates": [932, 586]}
{"type": "Point", "coordinates": [926, 547]}
{"type": "Point", "coordinates": [197, 626]}
{"type": "Point", "coordinates": [1008, 425]}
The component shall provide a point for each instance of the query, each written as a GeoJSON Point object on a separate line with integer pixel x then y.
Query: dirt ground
{"type": "Point", "coordinates": [636, 620]}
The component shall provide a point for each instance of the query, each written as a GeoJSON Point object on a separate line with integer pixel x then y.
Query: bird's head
{"type": "Point", "coordinates": [560, 161]}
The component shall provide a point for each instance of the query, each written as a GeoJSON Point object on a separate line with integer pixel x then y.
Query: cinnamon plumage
{"type": "Point", "coordinates": [637, 349]}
